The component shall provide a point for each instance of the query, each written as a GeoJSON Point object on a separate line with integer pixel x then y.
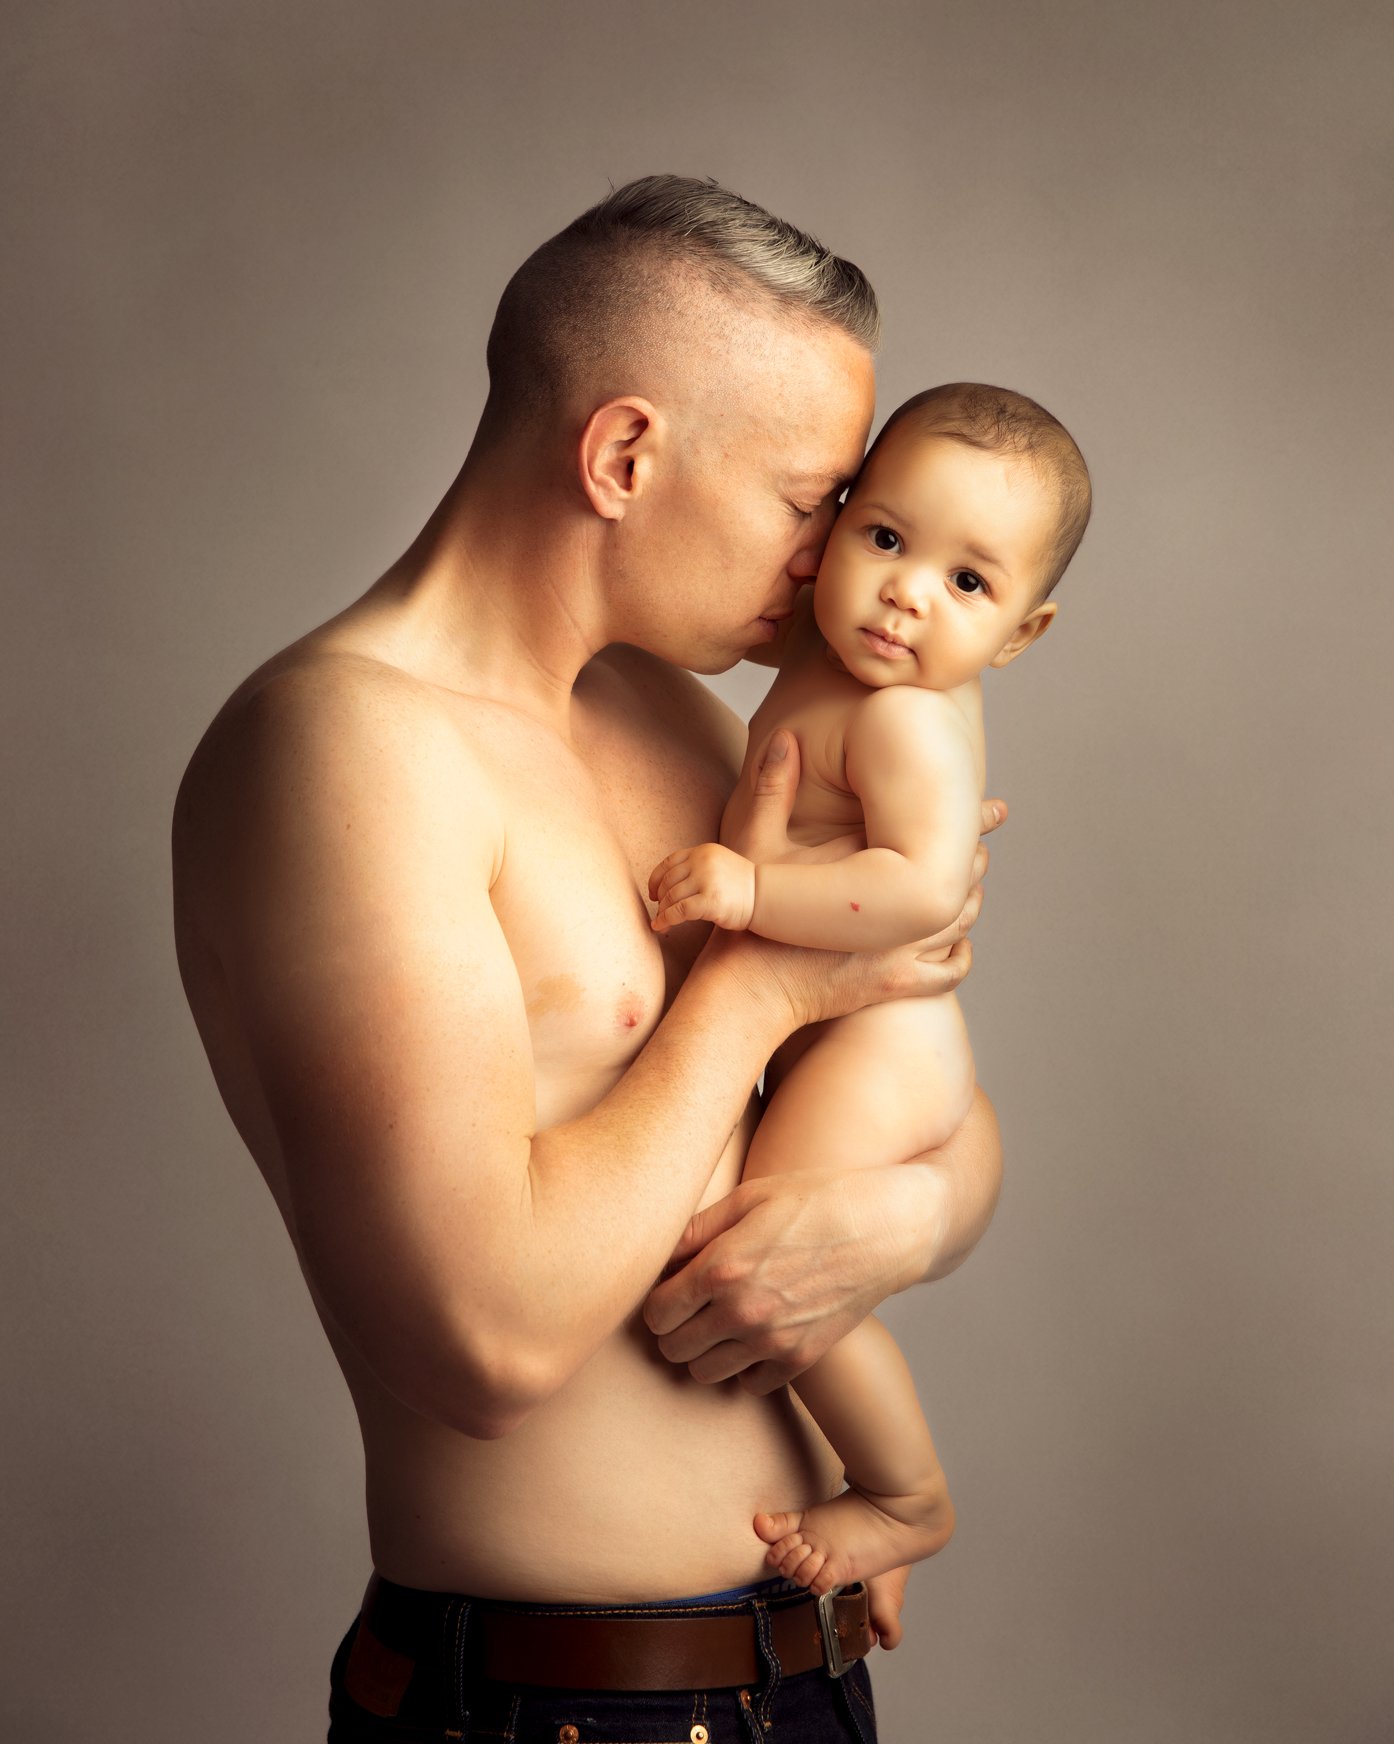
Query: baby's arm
{"type": "Point", "coordinates": [910, 762]}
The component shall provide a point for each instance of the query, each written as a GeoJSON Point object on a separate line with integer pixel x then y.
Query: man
{"type": "Point", "coordinates": [409, 856]}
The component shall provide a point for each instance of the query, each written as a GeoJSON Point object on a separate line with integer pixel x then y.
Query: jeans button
{"type": "Point", "coordinates": [568, 1735]}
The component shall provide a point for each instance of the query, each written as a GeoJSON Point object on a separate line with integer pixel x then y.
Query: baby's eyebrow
{"type": "Point", "coordinates": [986, 558]}
{"type": "Point", "coordinates": [895, 514]}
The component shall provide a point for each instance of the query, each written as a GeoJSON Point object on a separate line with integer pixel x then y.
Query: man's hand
{"type": "Point", "coordinates": [703, 883]}
{"type": "Point", "coordinates": [776, 1272]}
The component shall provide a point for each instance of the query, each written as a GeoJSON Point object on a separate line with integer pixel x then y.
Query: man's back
{"type": "Point", "coordinates": [630, 1467]}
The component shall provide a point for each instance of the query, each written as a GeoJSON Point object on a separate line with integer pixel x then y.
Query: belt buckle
{"type": "Point", "coordinates": [833, 1662]}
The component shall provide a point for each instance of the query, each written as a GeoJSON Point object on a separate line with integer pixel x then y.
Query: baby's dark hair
{"type": "Point", "coordinates": [1002, 422]}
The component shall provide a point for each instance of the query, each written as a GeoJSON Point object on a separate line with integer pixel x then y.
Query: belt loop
{"type": "Point", "coordinates": [764, 1635]}
{"type": "Point", "coordinates": [453, 1660]}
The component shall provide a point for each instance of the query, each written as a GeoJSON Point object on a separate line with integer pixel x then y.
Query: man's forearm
{"type": "Point", "coordinates": [607, 1194]}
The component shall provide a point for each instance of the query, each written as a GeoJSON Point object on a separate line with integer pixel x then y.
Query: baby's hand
{"type": "Point", "coordinates": [704, 883]}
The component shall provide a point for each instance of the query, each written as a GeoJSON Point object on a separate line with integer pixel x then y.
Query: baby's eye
{"type": "Point", "coordinates": [966, 582]}
{"type": "Point", "coordinates": [885, 538]}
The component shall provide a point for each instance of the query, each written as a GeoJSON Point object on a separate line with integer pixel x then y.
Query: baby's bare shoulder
{"type": "Point", "coordinates": [906, 709]}
{"type": "Point", "coordinates": [905, 734]}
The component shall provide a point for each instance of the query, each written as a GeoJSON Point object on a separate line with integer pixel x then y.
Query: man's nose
{"type": "Point", "coordinates": [803, 565]}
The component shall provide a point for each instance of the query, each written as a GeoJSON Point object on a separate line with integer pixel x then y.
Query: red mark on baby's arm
{"type": "Point", "coordinates": [857, 907]}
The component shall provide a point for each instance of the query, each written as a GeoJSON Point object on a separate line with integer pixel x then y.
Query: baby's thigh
{"type": "Point", "coordinates": [879, 1086]}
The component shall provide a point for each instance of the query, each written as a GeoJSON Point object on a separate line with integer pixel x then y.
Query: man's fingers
{"type": "Point", "coordinates": [958, 962]}
{"type": "Point", "coordinates": [944, 977]}
{"type": "Point", "coordinates": [777, 772]}
{"type": "Point", "coordinates": [767, 1377]}
{"type": "Point", "coordinates": [686, 1293]}
{"type": "Point", "coordinates": [674, 1301]}
{"type": "Point", "coordinates": [704, 1226]}
{"type": "Point", "coordinates": [971, 910]}
{"type": "Point", "coordinates": [994, 813]}
{"type": "Point", "coordinates": [776, 780]}
{"type": "Point", "coordinates": [720, 1362]}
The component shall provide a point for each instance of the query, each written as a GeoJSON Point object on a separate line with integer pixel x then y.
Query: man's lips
{"type": "Point", "coordinates": [883, 643]}
{"type": "Point", "coordinates": [769, 622]}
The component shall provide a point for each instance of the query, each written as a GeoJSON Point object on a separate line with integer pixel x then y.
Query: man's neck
{"type": "Point", "coordinates": [500, 594]}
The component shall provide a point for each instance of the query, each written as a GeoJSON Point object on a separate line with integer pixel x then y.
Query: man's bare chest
{"type": "Point", "coordinates": [584, 824]}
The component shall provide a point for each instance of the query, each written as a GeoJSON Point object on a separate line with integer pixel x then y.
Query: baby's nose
{"type": "Point", "coordinates": [906, 593]}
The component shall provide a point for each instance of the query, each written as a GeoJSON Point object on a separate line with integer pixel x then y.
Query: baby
{"type": "Point", "coordinates": [963, 518]}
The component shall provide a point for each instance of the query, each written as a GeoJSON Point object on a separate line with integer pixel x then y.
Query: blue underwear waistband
{"type": "Point", "coordinates": [768, 1589]}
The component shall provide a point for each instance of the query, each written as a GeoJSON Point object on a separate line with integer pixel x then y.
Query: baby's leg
{"type": "Point", "coordinates": [896, 1508]}
{"type": "Point", "coordinates": [882, 1085]}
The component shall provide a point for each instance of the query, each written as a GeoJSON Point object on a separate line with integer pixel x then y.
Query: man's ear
{"type": "Point", "coordinates": [615, 454]}
{"type": "Point", "coordinates": [1031, 628]}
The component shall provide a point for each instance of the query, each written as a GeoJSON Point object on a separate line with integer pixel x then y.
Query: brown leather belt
{"type": "Point", "coordinates": [615, 1649]}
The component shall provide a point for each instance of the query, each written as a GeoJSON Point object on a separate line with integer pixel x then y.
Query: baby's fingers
{"type": "Point", "coordinates": [674, 909]}
{"type": "Point", "coordinates": [667, 869]}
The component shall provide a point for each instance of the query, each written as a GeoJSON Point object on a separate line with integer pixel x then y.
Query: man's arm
{"type": "Point", "coordinates": [448, 1237]}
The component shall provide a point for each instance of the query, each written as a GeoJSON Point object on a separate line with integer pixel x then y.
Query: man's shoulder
{"type": "Point", "coordinates": [312, 721]}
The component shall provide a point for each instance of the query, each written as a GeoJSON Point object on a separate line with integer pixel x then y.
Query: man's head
{"type": "Point", "coordinates": [696, 375]}
{"type": "Point", "coordinates": [592, 313]}
{"type": "Point", "coordinates": [970, 505]}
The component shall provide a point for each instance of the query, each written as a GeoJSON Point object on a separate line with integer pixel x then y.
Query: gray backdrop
{"type": "Point", "coordinates": [258, 249]}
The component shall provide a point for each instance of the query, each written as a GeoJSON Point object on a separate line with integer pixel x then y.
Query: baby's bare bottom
{"type": "Point", "coordinates": [880, 1086]}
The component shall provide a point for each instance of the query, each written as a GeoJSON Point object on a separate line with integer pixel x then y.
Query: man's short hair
{"type": "Point", "coordinates": [578, 308]}
{"type": "Point", "coordinates": [1000, 421]}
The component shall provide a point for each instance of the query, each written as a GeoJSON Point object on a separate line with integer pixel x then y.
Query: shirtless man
{"type": "Point", "coordinates": [409, 856]}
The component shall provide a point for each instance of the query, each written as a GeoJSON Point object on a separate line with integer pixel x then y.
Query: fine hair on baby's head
{"type": "Point", "coordinates": [999, 421]}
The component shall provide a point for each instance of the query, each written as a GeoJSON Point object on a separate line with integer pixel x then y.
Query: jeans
{"type": "Point", "coordinates": [436, 1699]}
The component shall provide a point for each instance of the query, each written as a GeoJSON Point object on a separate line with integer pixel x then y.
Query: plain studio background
{"type": "Point", "coordinates": [258, 248]}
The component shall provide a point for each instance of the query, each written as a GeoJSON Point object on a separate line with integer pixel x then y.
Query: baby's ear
{"type": "Point", "coordinates": [1031, 628]}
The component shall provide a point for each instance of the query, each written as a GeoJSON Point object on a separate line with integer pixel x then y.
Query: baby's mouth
{"type": "Point", "coordinates": [888, 646]}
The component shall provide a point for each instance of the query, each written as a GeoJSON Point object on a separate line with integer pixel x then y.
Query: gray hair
{"type": "Point", "coordinates": [587, 292]}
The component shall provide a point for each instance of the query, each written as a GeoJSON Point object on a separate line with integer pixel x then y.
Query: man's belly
{"type": "Point", "coordinates": [633, 1482]}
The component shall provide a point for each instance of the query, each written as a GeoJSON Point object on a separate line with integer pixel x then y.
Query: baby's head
{"type": "Point", "coordinates": [962, 519]}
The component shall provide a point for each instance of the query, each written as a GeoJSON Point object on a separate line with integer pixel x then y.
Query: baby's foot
{"type": "Point", "coordinates": [855, 1536]}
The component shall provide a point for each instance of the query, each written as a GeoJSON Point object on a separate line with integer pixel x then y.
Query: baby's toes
{"type": "Point", "coordinates": [787, 1555]}
{"type": "Point", "coordinates": [803, 1565]}
{"type": "Point", "coordinates": [773, 1526]}
{"type": "Point", "coordinates": [821, 1578]}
